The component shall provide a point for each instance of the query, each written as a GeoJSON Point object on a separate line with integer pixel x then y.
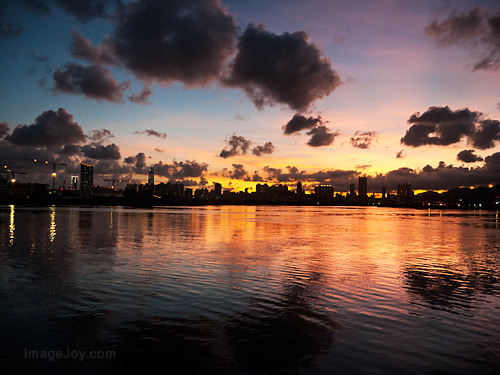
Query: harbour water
{"type": "Point", "coordinates": [249, 289]}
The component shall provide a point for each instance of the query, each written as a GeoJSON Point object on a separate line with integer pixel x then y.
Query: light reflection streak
{"type": "Point", "coordinates": [52, 229]}
{"type": "Point", "coordinates": [12, 226]}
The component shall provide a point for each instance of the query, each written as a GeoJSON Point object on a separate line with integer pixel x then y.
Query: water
{"type": "Point", "coordinates": [224, 290]}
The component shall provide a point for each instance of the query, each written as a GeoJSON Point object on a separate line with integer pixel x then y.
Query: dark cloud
{"type": "Point", "coordinates": [321, 136]}
{"type": "Point", "coordinates": [153, 133]}
{"type": "Point", "coordinates": [94, 82]}
{"type": "Point", "coordinates": [81, 48]}
{"type": "Point", "coordinates": [50, 129]}
{"type": "Point", "coordinates": [400, 154]}
{"type": "Point", "coordinates": [492, 165]}
{"type": "Point", "coordinates": [338, 176]}
{"type": "Point", "coordinates": [99, 152]}
{"type": "Point", "coordinates": [486, 134]}
{"type": "Point", "coordinates": [237, 145]}
{"type": "Point", "coordinates": [38, 58]}
{"type": "Point", "coordinates": [299, 123]}
{"type": "Point", "coordinates": [139, 162]}
{"type": "Point", "coordinates": [266, 149]}
{"type": "Point", "coordinates": [467, 156]}
{"type": "Point", "coordinates": [4, 129]}
{"type": "Point", "coordinates": [363, 139]}
{"type": "Point", "coordinates": [181, 170]}
{"type": "Point", "coordinates": [362, 166]}
{"type": "Point", "coordinates": [143, 97]}
{"type": "Point", "coordinates": [7, 29]}
{"type": "Point", "coordinates": [284, 69]}
{"type": "Point", "coordinates": [69, 150]}
{"type": "Point", "coordinates": [238, 173]}
{"type": "Point", "coordinates": [443, 126]}
{"type": "Point", "coordinates": [169, 40]}
{"type": "Point", "coordinates": [82, 10]}
{"type": "Point", "coordinates": [477, 29]}
{"type": "Point", "coordinates": [100, 135]}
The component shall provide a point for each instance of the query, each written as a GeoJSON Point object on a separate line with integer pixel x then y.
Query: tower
{"type": "Point", "coordinates": [151, 177]}
{"type": "Point", "coordinates": [363, 187]}
{"type": "Point", "coordinates": [86, 180]}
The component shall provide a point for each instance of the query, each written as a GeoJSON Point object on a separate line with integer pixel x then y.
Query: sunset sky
{"type": "Point", "coordinates": [248, 91]}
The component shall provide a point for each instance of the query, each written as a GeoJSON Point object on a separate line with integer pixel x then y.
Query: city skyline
{"type": "Point", "coordinates": [399, 93]}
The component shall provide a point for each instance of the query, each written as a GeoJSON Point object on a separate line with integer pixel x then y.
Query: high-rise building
{"type": "Point", "coordinates": [151, 177]}
{"type": "Point", "coordinates": [324, 192]}
{"type": "Point", "coordinates": [299, 188]}
{"type": "Point", "coordinates": [352, 193]}
{"type": "Point", "coordinates": [217, 190]}
{"type": "Point", "coordinates": [363, 187]}
{"type": "Point", "coordinates": [86, 180]}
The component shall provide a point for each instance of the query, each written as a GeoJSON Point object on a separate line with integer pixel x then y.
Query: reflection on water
{"type": "Point", "coordinates": [251, 289]}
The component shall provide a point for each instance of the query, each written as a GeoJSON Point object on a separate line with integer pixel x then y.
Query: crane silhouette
{"type": "Point", "coordinates": [53, 163]}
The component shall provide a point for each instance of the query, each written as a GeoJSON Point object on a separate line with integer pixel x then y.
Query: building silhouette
{"type": "Point", "coordinates": [151, 177]}
{"type": "Point", "coordinates": [352, 192]}
{"type": "Point", "coordinates": [363, 188]}
{"type": "Point", "coordinates": [217, 190]}
{"type": "Point", "coordinates": [323, 192]}
{"type": "Point", "coordinates": [299, 188]}
{"type": "Point", "coordinates": [86, 180]}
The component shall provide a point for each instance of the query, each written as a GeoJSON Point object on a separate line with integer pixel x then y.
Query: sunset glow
{"type": "Point", "coordinates": [248, 92]}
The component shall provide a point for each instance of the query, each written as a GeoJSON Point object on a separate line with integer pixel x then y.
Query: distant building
{"type": "Point", "coordinates": [151, 177]}
{"type": "Point", "coordinates": [363, 187]}
{"type": "Point", "coordinates": [74, 183]}
{"type": "Point", "coordinates": [383, 192]}
{"type": "Point", "coordinates": [86, 180]}
{"type": "Point", "coordinates": [217, 190]}
{"type": "Point", "coordinates": [404, 193]}
{"type": "Point", "coordinates": [324, 192]}
{"type": "Point", "coordinates": [352, 192]}
{"type": "Point", "coordinates": [299, 188]}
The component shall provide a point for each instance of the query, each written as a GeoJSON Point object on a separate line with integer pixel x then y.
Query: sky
{"type": "Point", "coordinates": [250, 91]}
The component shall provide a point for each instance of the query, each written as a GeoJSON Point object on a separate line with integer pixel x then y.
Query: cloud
{"type": "Point", "coordinates": [477, 29]}
{"type": "Point", "coordinates": [143, 97]}
{"type": "Point", "coordinates": [492, 164]}
{"type": "Point", "coordinates": [486, 134]}
{"type": "Point", "coordinates": [363, 139]}
{"type": "Point", "coordinates": [168, 40]}
{"type": "Point", "coordinates": [181, 170]}
{"type": "Point", "coordinates": [99, 152]}
{"type": "Point", "coordinates": [4, 129]}
{"type": "Point", "coordinates": [400, 154]}
{"type": "Point", "coordinates": [266, 148]}
{"type": "Point", "coordinates": [7, 29]}
{"type": "Point", "coordinates": [81, 48]}
{"type": "Point", "coordinates": [100, 135]}
{"type": "Point", "coordinates": [154, 133]}
{"type": "Point", "coordinates": [160, 150]}
{"type": "Point", "coordinates": [322, 136]}
{"type": "Point", "coordinates": [443, 126]}
{"type": "Point", "coordinates": [467, 156]}
{"type": "Point", "coordinates": [363, 166]}
{"type": "Point", "coordinates": [82, 10]}
{"type": "Point", "coordinates": [238, 145]}
{"type": "Point", "coordinates": [50, 129]}
{"type": "Point", "coordinates": [94, 82]}
{"type": "Point", "coordinates": [69, 150]}
{"type": "Point", "coordinates": [299, 123]}
{"type": "Point", "coordinates": [284, 69]}
{"type": "Point", "coordinates": [139, 162]}
{"type": "Point", "coordinates": [238, 173]}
